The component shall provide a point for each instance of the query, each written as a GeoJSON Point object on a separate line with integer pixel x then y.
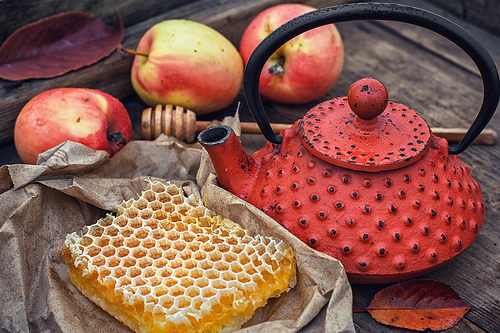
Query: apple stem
{"type": "Point", "coordinates": [119, 48]}
{"type": "Point", "coordinates": [118, 138]}
{"type": "Point", "coordinates": [277, 68]}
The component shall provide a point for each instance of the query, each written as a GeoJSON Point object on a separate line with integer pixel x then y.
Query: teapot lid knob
{"type": "Point", "coordinates": [367, 98]}
{"type": "Point", "coordinates": [365, 131]}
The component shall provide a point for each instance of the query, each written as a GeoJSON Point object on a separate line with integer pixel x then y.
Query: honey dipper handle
{"type": "Point", "coordinates": [486, 137]}
{"type": "Point", "coordinates": [247, 128]}
{"type": "Point", "coordinates": [169, 120]}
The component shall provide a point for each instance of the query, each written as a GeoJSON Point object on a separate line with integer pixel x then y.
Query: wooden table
{"type": "Point", "coordinates": [420, 69]}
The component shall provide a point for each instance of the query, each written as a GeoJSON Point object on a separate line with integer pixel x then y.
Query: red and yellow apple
{"type": "Point", "coordinates": [188, 64]}
{"type": "Point", "coordinates": [303, 69]}
{"type": "Point", "coordinates": [87, 116]}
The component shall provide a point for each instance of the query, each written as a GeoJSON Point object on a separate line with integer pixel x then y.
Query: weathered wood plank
{"type": "Point", "coordinates": [112, 73]}
{"type": "Point", "coordinates": [421, 72]}
{"type": "Point", "coordinates": [16, 14]}
{"type": "Point", "coordinates": [439, 45]}
{"type": "Point", "coordinates": [482, 13]}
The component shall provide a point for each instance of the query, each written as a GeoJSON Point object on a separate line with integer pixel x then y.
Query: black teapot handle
{"type": "Point", "coordinates": [374, 11]}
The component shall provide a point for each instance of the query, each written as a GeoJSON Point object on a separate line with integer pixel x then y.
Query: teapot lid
{"type": "Point", "coordinates": [365, 131]}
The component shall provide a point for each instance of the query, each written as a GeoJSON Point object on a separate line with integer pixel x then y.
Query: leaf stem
{"type": "Point", "coordinates": [119, 48]}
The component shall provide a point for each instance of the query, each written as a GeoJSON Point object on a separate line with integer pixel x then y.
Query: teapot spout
{"type": "Point", "coordinates": [235, 169]}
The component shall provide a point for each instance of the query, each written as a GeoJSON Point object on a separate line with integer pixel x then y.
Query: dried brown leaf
{"type": "Point", "coordinates": [418, 305]}
{"type": "Point", "coordinates": [56, 45]}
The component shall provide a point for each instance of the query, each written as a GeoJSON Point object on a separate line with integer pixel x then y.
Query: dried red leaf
{"type": "Point", "coordinates": [56, 45]}
{"type": "Point", "coordinates": [418, 305]}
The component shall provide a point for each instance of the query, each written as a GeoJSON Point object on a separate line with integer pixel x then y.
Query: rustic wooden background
{"type": "Point", "coordinates": [419, 68]}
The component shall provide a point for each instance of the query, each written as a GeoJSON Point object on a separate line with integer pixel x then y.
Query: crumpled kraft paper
{"type": "Point", "coordinates": [72, 186]}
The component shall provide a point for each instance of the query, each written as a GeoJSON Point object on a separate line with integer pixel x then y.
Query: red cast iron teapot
{"type": "Point", "coordinates": [362, 178]}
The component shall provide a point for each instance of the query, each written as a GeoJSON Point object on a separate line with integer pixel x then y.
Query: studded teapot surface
{"type": "Point", "coordinates": [360, 178]}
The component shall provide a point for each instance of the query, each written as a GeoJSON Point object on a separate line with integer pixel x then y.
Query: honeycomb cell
{"type": "Point", "coordinates": [111, 231]}
{"type": "Point", "coordinates": [193, 246]}
{"type": "Point", "coordinates": [99, 260]}
{"type": "Point", "coordinates": [236, 267]}
{"type": "Point", "coordinates": [221, 266]}
{"type": "Point", "coordinates": [131, 212]}
{"type": "Point", "coordinates": [180, 272]}
{"type": "Point", "coordinates": [170, 281]}
{"type": "Point", "coordinates": [160, 263]}
{"type": "Point", "coordinates": [120, 221]}
{"type": "Point", "coordinates": [155, 205]}
{"type": "Point", "coordinates": [145, 262]}
{"type": "Point", "coordinates": [189, 263]}
{"type": "Point", "coordinates": [139, 252]}
{"type": "Point", "coordinates": [154, 281]}
{"type": "Point", "coordinates": [177, 200]}
{"type": "Point", "coordinates": [218, 284]}
{"type": "Point", "coordinates": [179, 246]}
{"type": "Point", "coordinates": [138, 281]}
{"type": "Point", "coordinates": [160, 291]}
{"type": "Point", "coordinates": [132, 242]}
{"type": "Point", "coordinates": [182, 209]}
{"type": "Point", "coordinates": [176, 263]}
{"type": "Point", "coordinates": [134, 272]}
{"type": "Point", "coordinates": [166, 301]}
{"type": "Point", "coordinates": [157, 234]}
{"type": "Point", "coordinates": [182, 302]}
{"type": "Point", "coordinates": [173, 235]}
{"type": "Point", "coordinates": [208, 292]}
{"type": "Point", "coordinates": [207, 247]}
{"type": "Point", "coordinates": [215, 256]}
{"type": "Point", "coordinates": [188, 237]}
{"type": "Point", "coordinates": [186, 282]}
{"type": "Point", "coordinates": [237, 249]}
{"type": "Point", "coordinates": [93, 251]}
{"type": "Point", "coordinates": [229, 257]}
{"type": "Point", "coordinates": [205, 264]}
{"type": "Point", "coordinates": [176, 290]}
{"type": "Point", "coordinates": [123, 281]}
{"type": "Point", "coordinates": [154, 252]}
{"type": "Point", "coordinates": [160, 215]}
{"type": "Point", "coordinates": [202, 282]}
{"type": "Point", "coordinates": [149, 195]}
{"type": "Point", "coordinates": [199, 255]}
{"type": "Point", "coordinates": [141, 204]}
{"type": "Point", "coordinates": [170, 254]}
{"type": "Point", "coordinates": [228, 276]}
{"type": "Point", "coordinates": [165, 256]}
{"type": "Point", "coordinates": [108, 251]}
{"type": "Point", "coordinates": [212, 274]}
{"type": "Point", "coordinates": [164, 244]}
{"type": "Point", "coordinates": [141, 233]}
{"type": "Point", "coordinates": [197, 302]}
{"type": "Point", "coordinates": [164, 272]}
{"type": "Point", "coordinates": [118, 272]}
{"type": "Point", "coordinates": [113, 261]}
{"type": "Point", "coordinates": [144, 290]}
{"type": "Point", "coordinates": [243, 258]}
{"type": "Point", "coordinates": [96, 230]}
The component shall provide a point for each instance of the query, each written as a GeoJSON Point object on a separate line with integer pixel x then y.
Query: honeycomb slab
{"type": "Point", "coordinates": [166, 263]}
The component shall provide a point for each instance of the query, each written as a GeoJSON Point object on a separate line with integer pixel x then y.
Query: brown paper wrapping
{"type": "Point", "coordinates": [72, 186]}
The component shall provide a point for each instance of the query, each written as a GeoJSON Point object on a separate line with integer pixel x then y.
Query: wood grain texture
{"type": "Point", "coordinates": [17, 13]}
{"type": "Point", "coordinates": [419, 69]}
{"type": "Point", "coordinates": [229, 17]}
{"type": "Point", "coordinates": [483, 13]}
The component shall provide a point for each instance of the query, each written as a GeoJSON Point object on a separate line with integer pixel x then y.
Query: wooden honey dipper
{"type": "Point", "coordinates": [182, 124]}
